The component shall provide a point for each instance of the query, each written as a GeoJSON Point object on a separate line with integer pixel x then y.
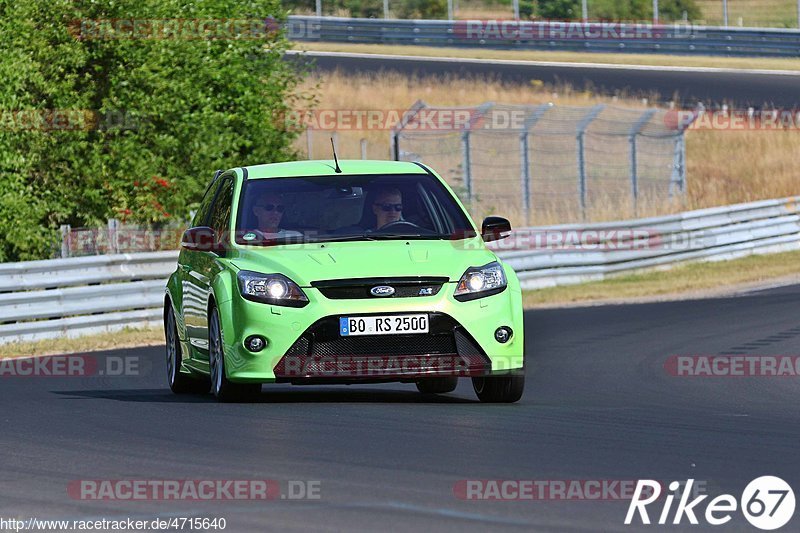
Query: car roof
{"type": "Point", "coordinates": [327, 168]}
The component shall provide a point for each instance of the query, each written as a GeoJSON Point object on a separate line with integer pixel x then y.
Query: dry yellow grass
{"type": "Point", "coordinates": [127, 338]}
{"type": "Point", "coordinates": [723, 167]}
{"type": "Point", "coordinates": [759, 13]}
{"type": "Point", "coordinates": [690, 280]}
{"type": "Point", "coordinates": [763, 63]}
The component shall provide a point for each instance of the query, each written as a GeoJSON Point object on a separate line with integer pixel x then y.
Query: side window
{"type": "Point", "coordinates": [220, 219]}
{"type": "Point", "coordinates": [205, 205]}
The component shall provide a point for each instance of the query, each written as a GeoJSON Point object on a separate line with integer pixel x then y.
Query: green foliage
{"type": "Point", "coordinates": [142, 122]}
{"type": "Point", "coordinates": [639, 10]}
{"type": "Point", "coordinates": [672, 10]}
{"type": "Point", "coordinates": [404, 9]}
{"type": "Point", "coordinates": [559, 9]}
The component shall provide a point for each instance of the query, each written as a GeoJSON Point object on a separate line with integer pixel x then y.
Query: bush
{"type": "Point", "coordinates": [149, 120]}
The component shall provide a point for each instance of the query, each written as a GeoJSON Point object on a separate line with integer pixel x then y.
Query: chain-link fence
{"type": "Point", "coordinates": [552, 163]}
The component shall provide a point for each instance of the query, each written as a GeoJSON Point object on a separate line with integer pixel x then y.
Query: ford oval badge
{"type": "Point", "coordinates": [382, 290]}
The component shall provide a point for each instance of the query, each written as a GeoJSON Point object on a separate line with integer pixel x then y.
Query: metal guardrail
{"type": "Point", "coordinates": [709, 234]}
{"type": "Point", "coordinates": [82, 295]}
{"type": "Point", "coordinates": [76, 296]}
{"type": "Point", "coordinates": [550, 35]}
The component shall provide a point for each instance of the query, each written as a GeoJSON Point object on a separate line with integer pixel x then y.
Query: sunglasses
{"type": "Point", "coordinates": [388, 207]}
{"type": "Point", "coordinates": [271, 207]}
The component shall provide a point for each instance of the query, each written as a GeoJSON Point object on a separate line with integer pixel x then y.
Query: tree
{"type": "Point", "coordinates": [124, 109]}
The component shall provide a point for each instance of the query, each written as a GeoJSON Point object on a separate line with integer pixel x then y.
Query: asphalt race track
{"type": "Point", "coordinates": [685, 85]}
{"type": "Point", "coordinates": [599, 405]}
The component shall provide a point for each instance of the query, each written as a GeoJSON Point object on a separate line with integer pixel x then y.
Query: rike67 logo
{"type": "Point", "coordinates": [767, 503]}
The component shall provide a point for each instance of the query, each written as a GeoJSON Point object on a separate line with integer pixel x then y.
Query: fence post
{"type": "Point", "coordinates": [634, 131]}
{"type": "Point", "coordinates": [525, 175]}
{"type": "Point", "coordinates": [394, 136]}
{"type": "Point", "coordinates": [363, 148]}
{"type": "Point", "coordinates": [525, 163]}
{"type": "Point", "coordinates": [466, 164]}
{"type": "Point", "coordinates": [678, 178]}
{"type": "Point", "coordinates": [582, 125]}
{"type": "Point", "coordinates": [66, 234]}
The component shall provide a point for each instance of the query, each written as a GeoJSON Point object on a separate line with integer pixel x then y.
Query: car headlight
{"type": "Point", "coordinates": [275, 289]}
{"type": "Point", "coordinates": [478, 282]}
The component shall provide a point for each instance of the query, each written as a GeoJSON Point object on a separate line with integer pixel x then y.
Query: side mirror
{"type": "Point", "coordinates": [201, 239]}
{"type": "Point", "coordinates": [495, 228]}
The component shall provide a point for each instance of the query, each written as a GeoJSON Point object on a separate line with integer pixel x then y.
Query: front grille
{"type": "Point", "coordinates": [355, 289]}
{"type": "Point", "coordinates": [321, 352]}
{"type": "Point", "coordinates": [379, 345]}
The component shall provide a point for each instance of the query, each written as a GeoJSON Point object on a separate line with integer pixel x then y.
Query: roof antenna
{"type": "Point", "coordinates": [335, 160]}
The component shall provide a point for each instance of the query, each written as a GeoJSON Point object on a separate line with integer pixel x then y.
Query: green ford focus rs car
{"type": "Point", "coordinates": [320, 272]}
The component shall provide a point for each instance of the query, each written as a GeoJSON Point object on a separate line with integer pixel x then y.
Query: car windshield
{"type": "Point", "coordinates": [343, 208]}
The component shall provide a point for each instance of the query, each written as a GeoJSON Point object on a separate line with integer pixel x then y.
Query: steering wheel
{"type": "Point", "coordinates": [400, 225]}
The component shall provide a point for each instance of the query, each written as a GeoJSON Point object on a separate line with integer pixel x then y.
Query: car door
{"type": "Point", "coordinates": [201, 268]}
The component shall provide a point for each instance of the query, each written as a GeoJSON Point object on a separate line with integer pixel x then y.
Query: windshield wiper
{"type": "Point", "coordinates": [378, 236]}
{"type": "Point", "coordinates": [339, 238]}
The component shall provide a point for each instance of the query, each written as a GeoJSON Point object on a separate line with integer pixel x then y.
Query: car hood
{"type": "Point", "coordinates": [371, 259]}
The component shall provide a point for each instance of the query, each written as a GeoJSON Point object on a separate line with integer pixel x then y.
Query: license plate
{"type": "Point", "coordinates": [382, 325]}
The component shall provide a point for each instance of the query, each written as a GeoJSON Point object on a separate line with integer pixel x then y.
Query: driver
{"type": "Point", "coordinates": [387, 207]}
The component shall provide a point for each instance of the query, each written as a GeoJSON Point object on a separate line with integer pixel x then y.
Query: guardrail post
{"type": "Point", "coordinates": [113, 241]}
{"type": "Point", "coordinates": [634, 131]}
{"type": "Point", "coordinates": [582, 125]}
{"type": "Point", "coordinates": [66, 235]}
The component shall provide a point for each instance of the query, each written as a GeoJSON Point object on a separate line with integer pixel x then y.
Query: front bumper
{"type": "Point", "coordinates": [304, 343]}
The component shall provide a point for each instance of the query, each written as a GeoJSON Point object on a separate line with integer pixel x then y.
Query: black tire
{"type": "Point", "coordinates": [224, 390]}
{"type": "Point", "coordinates": [499, 389]}
{"type": "Point", "coordinates": [440, 385]}
{"type": "Point", "coordinates": [179, 382]}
